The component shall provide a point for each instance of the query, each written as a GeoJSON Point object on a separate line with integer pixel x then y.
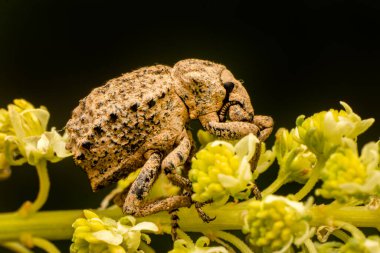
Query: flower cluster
{"type": "Point", "coordinates": [325, 131]}
{"type": "Point", "coordinates": [275, 223]}
{"type": "Point", "coordinates": [347, 176]}
{"type": "Point", "coordinates": [23, 136]}
{"type": "Point", "coordinates": [221, 170]}
{"type": "Point", "coordinates": [322, 147]}
{"type": "Point", "coordinates": [105, 235]}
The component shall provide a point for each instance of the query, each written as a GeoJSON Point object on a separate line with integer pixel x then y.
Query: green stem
{"type": "Point", "coordinates": [275, 185]}
{"type": "Point", "coordinates": [310, 246]}
{"type": "Point", "coordinates": [15, 247]}
{"type": "Point", "coordinates": [354, 231]}
{"type": "Point", "coordinates": [224, 244]}
{"type": "Point", "coordinates": [56, 225]}
{"type": "Point", "coordinates": [185, 237]}
{"type": "Point", "coordinates": [146, 248]}
{"type": "Point", "coordinates": [239, 244]}
{"type": "Point", "coordinates": [313, 179]}
{"type": "Point", "coordinates": [45, 245]}
{"type": "Point", "coordinates": [359, 216]}
{"type": "Point", "coordinates": [43, 193]}
{"type": "Point", "coordinates": [343, 236]}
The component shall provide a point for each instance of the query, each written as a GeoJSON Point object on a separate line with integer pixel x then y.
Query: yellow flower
{"type": "Point", "coordinates": [24, 135]}
{"type": "Point", "coordinates": [275, 223]}
{"type": "Point", "coordinates": [104, 235]}
{"type": "Point", "coordinates": [221, 170]}
{"type": "Point", "coordinates": [323, 132]}
{"type": "Point", "coordinates": [346, 175]}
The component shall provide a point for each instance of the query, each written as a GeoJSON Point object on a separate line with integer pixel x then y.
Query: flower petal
{"type": "Point", "coordinates": [108, 237]}
{"type": "Point", "coordinates": [145, 225]}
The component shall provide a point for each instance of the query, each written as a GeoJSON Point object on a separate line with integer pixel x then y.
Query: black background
{"type": "Point", "coordinates": [295, 57]}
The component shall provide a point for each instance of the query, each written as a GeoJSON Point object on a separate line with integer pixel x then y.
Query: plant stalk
{"type": "Point", "coordinates": [56, 225]}
{"type": "Point", "coordinates": [43, 176]}
{"type": "Point", "coordinates": [313, 179]}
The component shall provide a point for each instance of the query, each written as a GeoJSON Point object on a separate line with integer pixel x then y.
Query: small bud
{"type": "Point", "coordinates": [294, 159]}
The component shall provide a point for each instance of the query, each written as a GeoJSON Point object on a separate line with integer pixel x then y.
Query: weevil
{"type": "Point", "coordinates": [140, 119]}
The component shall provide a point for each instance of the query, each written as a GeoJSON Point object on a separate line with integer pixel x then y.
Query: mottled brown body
{"type": "Point", "coordinates": [116, 124]}
{"type": "Point", "coordinates": [138, 120]}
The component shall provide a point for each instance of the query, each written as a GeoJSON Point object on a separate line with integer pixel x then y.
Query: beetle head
{"type": "Point", "coordinates": [207, 87]}
{"type": "Point", "coordinates": [237, 103]}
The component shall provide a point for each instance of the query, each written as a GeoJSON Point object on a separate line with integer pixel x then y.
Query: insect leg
{"type": "Point", "coordinates": [177, 158]}
{"type": "Point", "coordinates": [143, 183]}
{"type": "Point", "coordinates": [174, 223]}
{"type": "Point", "coordinates": [135, 203]}
{"type": "Point", "coordinates": [227, 130]}
{"type": "Point", "coordinates": [262, 126]}
{"type": "Point", "coordinates": [265, 123]}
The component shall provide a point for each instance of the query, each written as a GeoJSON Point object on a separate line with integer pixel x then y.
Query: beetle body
{"type": "Point", "coordinates": [139, 120]}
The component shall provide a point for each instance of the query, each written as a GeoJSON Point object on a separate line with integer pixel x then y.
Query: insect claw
{"type": "Point", "coordinates": [201, 213]}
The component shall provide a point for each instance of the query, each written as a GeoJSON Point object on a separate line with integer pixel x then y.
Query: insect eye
{"type": "Point", "coordinates": [229, 86]}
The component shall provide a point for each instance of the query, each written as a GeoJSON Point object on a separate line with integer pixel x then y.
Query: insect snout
{"type": "Point", "coordinates": [239, 113]}
{"type": "Point", "coordinates": [223, 112]}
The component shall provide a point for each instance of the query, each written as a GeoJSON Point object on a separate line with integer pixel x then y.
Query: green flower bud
{"type": "Point", "coordinates": [221, 170]}
{"type": "Point", "coordinates": [294, 159]}
{"type": "Point", "coordinates": [205, 137]}
{"type": "Point", "coordinates": [5, 171]}
{"type": "Point", "coordinates": [275, 223]}
{"type": "Point", "coordinates": [5, 123]}
{"type": "Point", "coordinates": [162, 188]}
{"type": "Point", "coordinates": [183, 246]}
{"type": "Point", "coordinates": [323, 132]}
{"type": "Point", "coordinates": [104, 235]}
{"type": "Point", "coordinates": [346, 175]}
{"type": "Point", "coordinates": [266, 159]}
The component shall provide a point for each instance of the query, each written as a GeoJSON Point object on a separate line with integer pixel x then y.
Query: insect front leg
{"type": "Point", "coordinates": [265, 123]}
{"type": "Point", "coordinates": [262, 126]}
{"type": "Point", "coordinates": [227, 130]}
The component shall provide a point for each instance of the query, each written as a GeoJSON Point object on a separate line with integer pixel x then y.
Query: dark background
{"type": "Point", "coordinates": [295, 57]}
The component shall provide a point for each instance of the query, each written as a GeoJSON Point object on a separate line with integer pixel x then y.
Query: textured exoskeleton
{"type": "Point", "coordinates": [138, 120]}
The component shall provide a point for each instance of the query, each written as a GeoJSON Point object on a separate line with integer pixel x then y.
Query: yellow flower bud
{"type": "Point", "coordinates": [105, 235]}
{"type": "Point", "coordinates": [275, 223]}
